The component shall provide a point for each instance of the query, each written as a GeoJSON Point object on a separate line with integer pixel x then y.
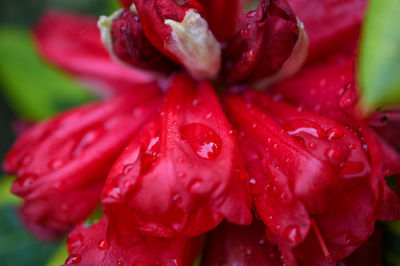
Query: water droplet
{"type": "Point", "coordinates": [59, 185]}
{"type": "Point", "coordinates": [275, 146]}
{"type": "Point", "coordinates": [332, 153]}
{"type": "Point", "coordinates": [56, 164]}
{"type": "Point", "coordinates": [249, 251]}
{"type": "Point", "coordinates": [322, 83]}
{"type": "Point", "coordinates": [195, 186]}
{"type": "Point", "coordinates": [312, 145]}
{"type": "Point", "coordinates": [203, 140]}
{"type": "Point", "coordinates": [127, 169]}
{"type": "Point", "coordinates": [177, 227]}
{"type": "Point", "coordinates": [181, 175]}
{"type": "Point", "coordinates": [75, 241]}
{"type": "Point", "coordinates": [352, 146]}
{"type": "Point", "coordinates": [73, 259]}
{"type": "Point", "coordinates": [251, 55]}
{"type": "Point", "coordinates": [26, 180]}
{"type": "Point", "coordinates": [347, 98]}
{"type": "Point", "coordinates": [261, 241]}
{"type": "Point", "coordinates": [299, 127]}
{"type": "Point", "coordinates": [102, 245]}
{"type": "Point", "coordinates": [254, 125]}
{"type": "Point", "coordinates": [112, 192]}
{"type": "Point", "coordinates": [121, 263]}
{"type": "Point", "coordinates": [208, 116]}
{"type": "Point", "coordinates": [334, 133]}
{"type": "Point", "coordinates": [148, 155]}
{"type": "Point", "coordinates": [177, 198]}
{"type": "Point", "coordinates": [252, 181]}
{"type": "Point", "coordinates": [195, 102]}
{"type": "Point", "coordinates": [292, 234]}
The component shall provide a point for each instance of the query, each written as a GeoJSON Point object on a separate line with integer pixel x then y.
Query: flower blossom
{"type": "Point", "coordinates": [186, 143]}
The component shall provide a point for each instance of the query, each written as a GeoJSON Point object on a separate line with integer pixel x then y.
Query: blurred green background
{"type": "Point", "coordinates": [31, 90]}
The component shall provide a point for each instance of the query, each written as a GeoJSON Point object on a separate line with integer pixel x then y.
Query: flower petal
{"type": "Point", "coordinates": [123, 36]}
{"type": "Point", "coordinates": [307, 159]}
{"type": "Point", "coordinates": [98, 245]}
{"type": "Point", "coordinates": [62, 163]}
{"type": "Point", "coordinates": [332, 26]}
{"type": "Point", "coordinates": [265, 41]}
{"type": "Point", "coordinates": [73, 43]}
{"type": "Point", "coordinates": [184, 173]}
{"type": "Point", "coordinates": [223, 17]}
{"type": "Point", "coordinates": [230, 244]}
{"type": "Point", "coordinates": [179, 30]}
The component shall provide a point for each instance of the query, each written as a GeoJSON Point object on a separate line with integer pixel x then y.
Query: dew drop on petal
{"type": "Point", "coordinates": [75, 241]}
{"type": "Point", "coordinates": [73, 259]}
{"type": "Point", "coordinates": [332, 153]}
{"type": "Point", "coordinates": [292, 234]}
{"type": "Point", "coordinates": [26, 180]}
{"type": "Point", "coordinates": [56, 164]}
{"type": "Point", "coordinates": [203, 140]}
{"type": "Point", "coordinates": [102, 245]}
{"type": "Point", "coordinates": [334, 133]}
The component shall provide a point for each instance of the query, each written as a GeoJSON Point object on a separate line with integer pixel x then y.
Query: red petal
{"type": "Point", "coordinates": [326, 88]}
{"type": "Point", "coordinates": [73, 43]}
{"type": "Point", "coordinates": [266, 40]}
{"type": "Point", "coordinates": [223, 17]}
{"type": "Point", "coordinates": [178, 29]}
{"type": "Point", "coordinates": [98, 245]}
{"type": "Point", "coordinates": [132, 47]}
{"type": "Point", "coordinates": [369, 254]}
{"type": "Point", "coordinates": [297, 158]}
{"type": "Point", "coordinates": [62, 163]}
{"type": "Point", "coordinates": [184, 173]}
{"type": "Point", "coordinates": [332, 26]}
{"type": "Point", "coordinates": [230, 244]}
{"type": "Point", "coordinates": [154, 13]}
{"type": "Point", "coordinates": [387, 125]}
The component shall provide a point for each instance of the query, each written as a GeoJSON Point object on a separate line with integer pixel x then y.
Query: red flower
{"type": "Point", "coordinates": [166, 172]}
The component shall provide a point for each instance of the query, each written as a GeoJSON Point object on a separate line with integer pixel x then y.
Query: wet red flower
{"type": "Point", "coordinates": [298, 155]}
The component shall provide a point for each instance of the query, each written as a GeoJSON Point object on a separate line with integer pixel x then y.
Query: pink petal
{"type": "Point", "coordinates": [332, 26]}
{"type": "Point", "coordinates": [230, 244]}
{"type": "Point", "coordinates": [73, 43]}
{"type": "Point", "coordinates": [266, 39]}
{"type": "Point", "coordinates": [98, 245]}
{"type": "Point", "coordinates": [184, 173]}
{"type": "Point", "coordinates": [62, 163]}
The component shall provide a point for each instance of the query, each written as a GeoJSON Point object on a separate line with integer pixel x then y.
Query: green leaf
{"type": "Point", "coordinates": [379, 59]}
{"type": "Point", "coordinates": [6, 198]}
{"type": "Point", "coordinates": [59, 256]}
{"type": "Point", "coordinates": [32, 88]}
{"type": "Point", "coordinates": [17, 247]}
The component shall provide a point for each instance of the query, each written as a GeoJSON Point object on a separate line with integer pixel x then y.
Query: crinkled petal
{"type": "Point", "coordinates": [266, 39]}
{"type": "Point", "coordinates": [73, 43]}
{"type": "Point", "coordinates": [123, 36]}
{"type": "Point", "coordinates": [332, 26]}
{"type": "Point", "coordinates": [62, 163]}
{"type": "Point", "coordinates": [230, 244]}
{"type": "Point", "coordinates": [179, 30]}
{"type": "Point", "coordinates": [306, 159]}
{"type": "Point", "coordinates": [183, 174]}
{"type": "Point", "coordinates": [98, 245]}
{"type": "Point", "coordinates": [223, 17]}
